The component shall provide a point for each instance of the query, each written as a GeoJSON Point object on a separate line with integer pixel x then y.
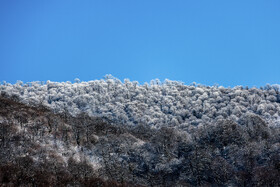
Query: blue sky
{"type": "Point", "coordinates": [225, 42]}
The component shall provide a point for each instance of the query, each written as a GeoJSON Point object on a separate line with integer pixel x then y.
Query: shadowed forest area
{"type": "Point", "coordinates": [42, 148]}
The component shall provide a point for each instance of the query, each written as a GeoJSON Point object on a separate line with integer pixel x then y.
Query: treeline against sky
{"type": "Point", "coordinates": [169, 104]}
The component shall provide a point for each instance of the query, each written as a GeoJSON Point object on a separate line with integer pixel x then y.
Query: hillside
{"type": "Point", "coordinates": [170, 103]}
{"type": "Point", "coordinates": [109, 133]}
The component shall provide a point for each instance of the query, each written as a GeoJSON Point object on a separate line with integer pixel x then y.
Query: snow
{"type": "Point", "coordinates": [158, 104]}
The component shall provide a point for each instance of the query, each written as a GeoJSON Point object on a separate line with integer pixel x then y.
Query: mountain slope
{"type": "Point", "coordinates": [108, 133]}
{"type": "Point", "coordinates": [168, 104]}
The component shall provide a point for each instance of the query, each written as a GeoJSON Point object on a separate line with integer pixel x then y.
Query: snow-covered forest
{"type": "Point", "coordinates": [113, 133]}
{"type": "Point", "coordinates": [158, 104]}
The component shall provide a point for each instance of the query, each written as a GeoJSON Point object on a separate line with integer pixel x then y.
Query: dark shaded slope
{"type": "Point", "coordinates": [30, 141]}
{"type": "Point", "coordinates": [40, 148]}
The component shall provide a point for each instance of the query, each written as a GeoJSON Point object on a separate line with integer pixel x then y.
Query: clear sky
{"type": "Point", "coordinates": [225, 42]}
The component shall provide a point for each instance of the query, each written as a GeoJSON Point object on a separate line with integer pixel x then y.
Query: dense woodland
{"type": "Point", "coordinates": [113, 133]}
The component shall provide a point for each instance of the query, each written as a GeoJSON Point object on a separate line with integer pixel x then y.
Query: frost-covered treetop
{"type": "Point", "coordinates": [168, 103]}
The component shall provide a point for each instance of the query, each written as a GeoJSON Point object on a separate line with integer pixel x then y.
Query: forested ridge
{"type": "Point", "coordinates": [112, 133]}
